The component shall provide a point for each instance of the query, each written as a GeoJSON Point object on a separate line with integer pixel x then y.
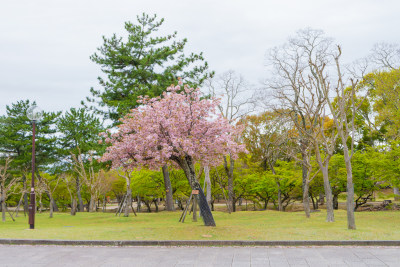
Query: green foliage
{"type": "Point", "coordinates": [384, 88]}
{"type": "Point", "coordinates": [79, 135]}
{"type": "Point", "coordinates": [147, 184]}
{"type": "Point", "coordinates": [143, 63]}
{"type": "Point", "coordinates": [16, 137]}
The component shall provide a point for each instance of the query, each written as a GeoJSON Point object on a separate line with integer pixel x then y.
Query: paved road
{"type": "Point", "coordinates": [198, 256]}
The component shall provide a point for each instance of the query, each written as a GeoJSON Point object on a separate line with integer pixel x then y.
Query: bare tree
{"type": "Point", "coordinates": [386, 55]}
{"type": "Point", "coordinates": [49, 184]}
{"type": "Point", "coordinates": [297, 87]}
{"type": "Point", "coordinates": [40, 189]}
{"type": "Point", "coordinates": [236, 102]}
{"type": "Point", "coordinates": [6, 184]}
{"type": "Point", "coordinates": [93, 180]}
{"type": "Point", "coordinates": [70, 183]}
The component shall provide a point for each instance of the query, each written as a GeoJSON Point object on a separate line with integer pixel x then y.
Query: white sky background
{"type": "Point", "coordinates": [45, 44]}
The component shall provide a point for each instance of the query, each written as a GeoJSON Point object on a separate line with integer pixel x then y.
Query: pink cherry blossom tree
{"type": "Point", "coordinates": [180, 127]}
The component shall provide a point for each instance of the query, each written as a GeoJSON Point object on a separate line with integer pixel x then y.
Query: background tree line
{"type": "Point", "coordinates": [318, 131]}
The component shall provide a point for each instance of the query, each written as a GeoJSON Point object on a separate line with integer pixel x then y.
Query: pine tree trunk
{"type": "Point", "coordinates": [169, 201]}
{"type": "Point", "coordinates": [78, 193]}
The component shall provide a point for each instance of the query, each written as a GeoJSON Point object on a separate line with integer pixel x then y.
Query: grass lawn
{"type": "Point", "coordinates": [244, 225]}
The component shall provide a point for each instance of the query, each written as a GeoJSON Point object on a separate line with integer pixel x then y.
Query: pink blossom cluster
{"type": "Point", "coordinates": [163, 130]}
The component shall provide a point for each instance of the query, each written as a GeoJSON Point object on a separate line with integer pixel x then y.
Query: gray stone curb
{"type": "Point", "coordinates": [121, 243]}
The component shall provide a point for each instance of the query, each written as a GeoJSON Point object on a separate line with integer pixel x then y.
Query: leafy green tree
{"type": "Point", "coordinates": [79, 131]}
{"type": "Point", "coordinates": [143, 63]}
{"type": "Point", "coordinates": [148, 185]}
{"type": "Point", "coordinates": [368, 175]}
{"type": "Point", "coordinates": [337, 175]}
{"type": "Point", "coordinates": [16, 140]}
{"type": "Point", "coordinates": [180, 188]}
{"type": "Point", "coordinates": [16, 137]}
{"type": "Point", "coordinates": [384, 88]}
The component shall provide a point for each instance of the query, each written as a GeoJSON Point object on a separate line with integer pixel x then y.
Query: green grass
{"type": "Point", "coordinates": [245, 225]}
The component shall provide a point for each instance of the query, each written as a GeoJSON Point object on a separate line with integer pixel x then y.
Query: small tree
{"type": "Point", "coordinates": [181, 128]}
{"type": "Point", "coordinates": [5, 186]}
{"type": "Point", "coordinates": [79, 131]}
{"type": "Point", "coordinates": [70, 184]}
{"type": "Point", "coordinates": [92, 179]}
{"type": "Point", "coordinates": [235, 104]}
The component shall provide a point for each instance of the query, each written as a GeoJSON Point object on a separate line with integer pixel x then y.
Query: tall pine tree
{"type": "Point", "coordinates": [143, 63]}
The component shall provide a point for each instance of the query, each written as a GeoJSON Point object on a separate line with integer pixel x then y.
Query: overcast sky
{"type": "Point", "coordinates": [45, 44]}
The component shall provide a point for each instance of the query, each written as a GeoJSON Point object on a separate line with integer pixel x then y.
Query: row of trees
{"type": "Point", "coordinates": [326, 129]}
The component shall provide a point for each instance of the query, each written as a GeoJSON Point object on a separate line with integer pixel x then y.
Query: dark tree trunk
{"type": "Point", "coordinates": [139, 204]}
{"type": "Point", "coordinates": [187, 165]}
{"type": "Point", "coordinates": [335, 202]}
{"type": "Point", "coordinates": [148, 205]}
{"type": "Point", "coordinates": [180, 205]}
{"type": "Point", "coordinates": [314, 204]}
{"type": "Point", "coordinates": [78, 193]}
{"type": "Point", "coordinates": [156, 203]}
{"type": "Point", "coordinates": [169, 201]}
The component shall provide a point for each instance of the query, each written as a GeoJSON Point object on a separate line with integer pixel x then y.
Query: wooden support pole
{"type": "Point", "coordinates": [182, 219]}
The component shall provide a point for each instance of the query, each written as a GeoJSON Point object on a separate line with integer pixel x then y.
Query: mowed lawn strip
{"type": "Point", "coordinates": [244, 225]}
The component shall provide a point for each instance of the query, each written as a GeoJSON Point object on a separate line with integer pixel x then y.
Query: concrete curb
{"type": "Point", "coordinates": [203, 243]}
